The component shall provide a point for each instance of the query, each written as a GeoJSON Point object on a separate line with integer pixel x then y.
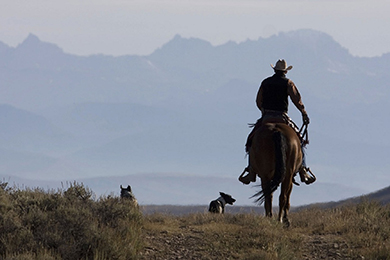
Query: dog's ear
{"type": "Point", "coordinates": [221, 193]}
{"type": "Point", "coordinates": [129, 188]}
{"type": "Point", "coordinates": [121, 187]}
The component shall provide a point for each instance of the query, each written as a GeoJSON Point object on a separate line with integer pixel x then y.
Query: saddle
{"type": "Point", "coordinates": [270, 116]}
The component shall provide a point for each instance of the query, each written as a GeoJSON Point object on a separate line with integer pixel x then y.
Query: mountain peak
{"type": "Point", "coordinates": [315, 40]}
{"type": "Point", "coordinates": [180, 46]}
{"type": "Point", "coordinates": [177, 37]}
{"type": "Point", "coordinates": [32, 38]}
{"type": "Point", "coordinates": [34, 45]}
{"type": "Point", "coordinates": [187, 42]}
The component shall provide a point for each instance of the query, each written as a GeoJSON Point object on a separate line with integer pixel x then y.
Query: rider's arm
{"type": "Point", "coordinates": [297, 100]}
{"type": "Point", "coordinates": [259, 99]}
{"type": "Point", "coordinates": [295, 97]}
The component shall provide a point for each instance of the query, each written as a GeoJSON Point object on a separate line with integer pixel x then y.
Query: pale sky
{"type": "Point", "coordinates": [121, 27]}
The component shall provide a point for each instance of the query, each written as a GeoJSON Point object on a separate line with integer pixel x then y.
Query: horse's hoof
{"type": "Point", "coordinates": [286, 224]}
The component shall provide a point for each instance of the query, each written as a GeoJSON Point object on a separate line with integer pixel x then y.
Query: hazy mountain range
{"type": "Point", "coordinates": [173, 124]}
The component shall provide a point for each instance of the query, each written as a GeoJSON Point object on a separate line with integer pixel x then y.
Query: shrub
{"type": "Point", "coordinates": [66, 224]}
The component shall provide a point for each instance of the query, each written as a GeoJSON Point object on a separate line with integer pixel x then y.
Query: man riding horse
{"type": "Point", "coordinates": [272, 100]}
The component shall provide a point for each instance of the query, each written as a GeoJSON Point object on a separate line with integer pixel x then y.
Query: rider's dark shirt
{"type": "Point", "coordinates": [274, 92]}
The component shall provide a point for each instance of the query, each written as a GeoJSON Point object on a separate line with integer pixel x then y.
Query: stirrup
{"type": "Point", "coordinates": [309, 178]}
{"type": "Point", "coordinates": [294, 181]}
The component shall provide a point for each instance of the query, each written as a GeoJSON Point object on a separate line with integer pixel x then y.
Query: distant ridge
{"type": "Point", "coordinates": [381, 196]}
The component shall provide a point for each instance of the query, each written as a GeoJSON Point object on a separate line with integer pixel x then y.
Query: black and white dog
{"type": "Point", "coordinates": [218, 205]}
{"type": "Point", "coordinates": [126, 193]}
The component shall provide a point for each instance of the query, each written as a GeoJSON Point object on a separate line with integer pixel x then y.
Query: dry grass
{"type": "Point", "coordinates": [71, 224]}
{"type": "Point", "coordinates": [350, 232]}
{"type": "Point", "coordinates": [209, 236]}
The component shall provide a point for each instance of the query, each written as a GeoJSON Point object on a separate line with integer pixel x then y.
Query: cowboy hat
{"type": "Point", "coordinates": [281, 65]}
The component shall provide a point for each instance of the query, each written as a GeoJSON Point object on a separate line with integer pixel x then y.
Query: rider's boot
{"type": "Point", "coordinates": [250, 177]}
{"type": "Point", "coordinates": [305, 176]}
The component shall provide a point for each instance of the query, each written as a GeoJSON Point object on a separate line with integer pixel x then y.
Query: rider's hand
{"type": "Point", "coordinates": [305, 119]}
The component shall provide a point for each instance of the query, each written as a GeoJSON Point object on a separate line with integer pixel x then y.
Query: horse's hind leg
{"type": "Point", "coordinates": [267, 199]}
{"type": "Point", "coordinates": [268, 205]}
{"type": "Point", "coordinates": [284, 203]}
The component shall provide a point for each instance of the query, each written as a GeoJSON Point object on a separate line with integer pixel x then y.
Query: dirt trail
{"type": "Point", "coordinates": [186, 245]}
{"type": "Point", "coordinates": [325, 247]}
{"type": "Point", "coordinates": [189, 244]}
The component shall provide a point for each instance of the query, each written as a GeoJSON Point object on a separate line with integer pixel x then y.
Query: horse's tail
{"type": "Point", "coordinates": [280, 167]}
{"type": "Point", "coordinates": [280, 159]}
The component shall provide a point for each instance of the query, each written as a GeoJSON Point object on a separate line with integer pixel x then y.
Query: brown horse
{"type": "Point", "coordinates": [275, 156]}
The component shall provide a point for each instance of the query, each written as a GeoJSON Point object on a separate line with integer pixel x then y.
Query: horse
{"type": "Point", "coordinates": [126, 193]}
{"type": "Point", "coordinates": [275, 156]}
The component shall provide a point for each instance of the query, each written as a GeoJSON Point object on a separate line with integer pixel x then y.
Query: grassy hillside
{"type": "Point", "coordinates": [71, 224]}
{"type": "Point", "coordinates": [359, 231]}
{"type": "Point", "coordinates": [381, 196]}
{"type": "Point", "coordinates": [67, 224]}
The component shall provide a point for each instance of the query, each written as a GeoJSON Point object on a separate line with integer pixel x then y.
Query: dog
{"type": "Point", "coordinates": [126, 193]}
{"type": "Point", "coordinates": [218, 205]}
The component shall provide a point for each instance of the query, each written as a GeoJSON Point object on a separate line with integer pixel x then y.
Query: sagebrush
{"type": "Point", "coordinates": [67, 224]}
